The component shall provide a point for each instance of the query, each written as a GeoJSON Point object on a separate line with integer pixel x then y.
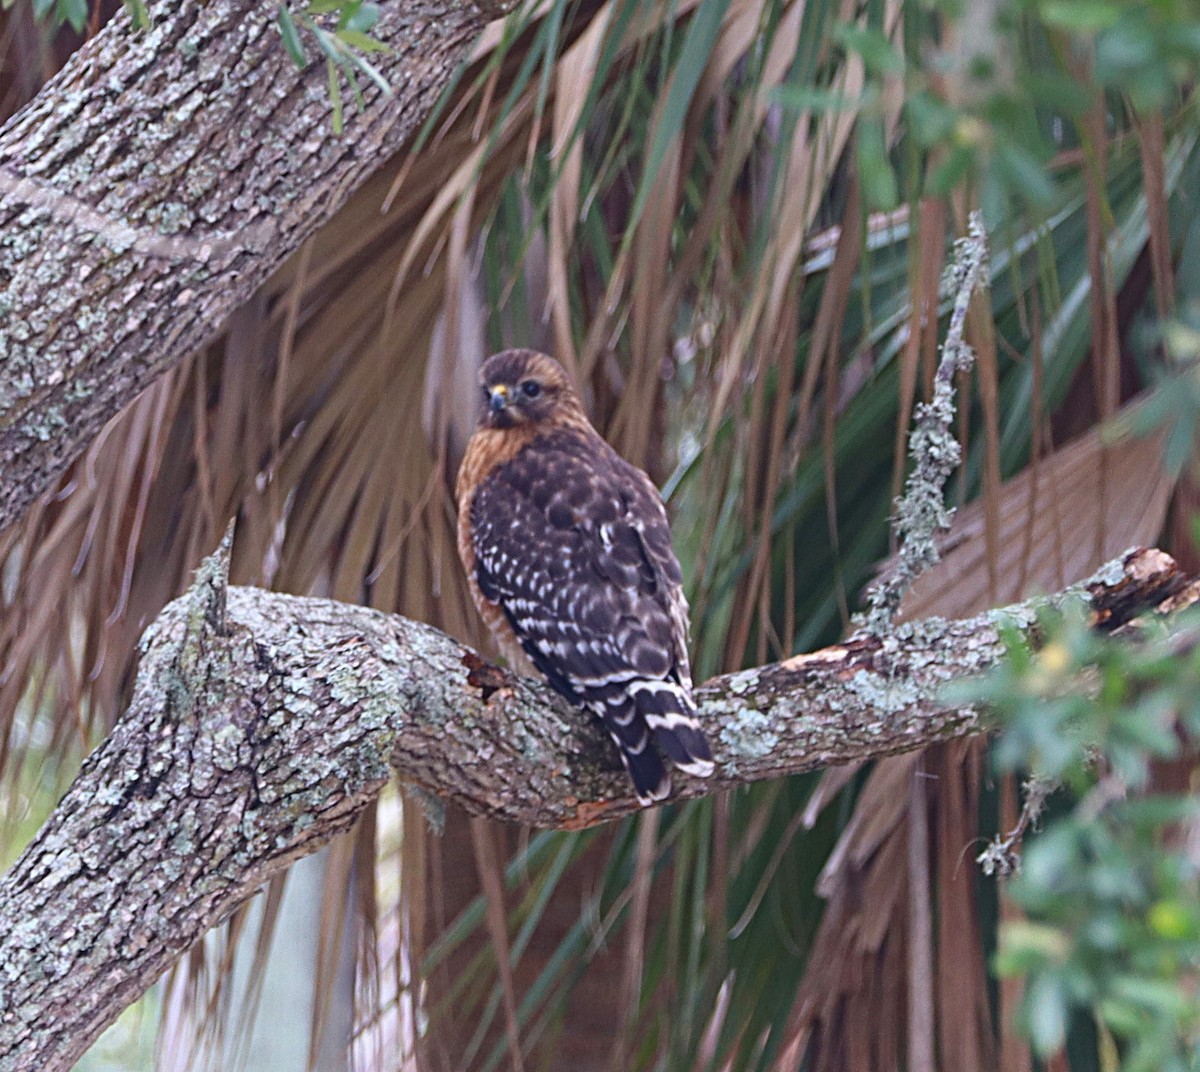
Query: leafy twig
{"type": "Point", "coordinates": [344, 45]}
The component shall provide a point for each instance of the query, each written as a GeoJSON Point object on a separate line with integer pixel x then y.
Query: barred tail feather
{"type": "Point", "coordinates": [669, 711]}
{"type": "Point", "coordinates": [649, 775]}
{"type": "Point", "coordinates": [641, 759]}
{"type": "Point", "coordinates": [648, 719]}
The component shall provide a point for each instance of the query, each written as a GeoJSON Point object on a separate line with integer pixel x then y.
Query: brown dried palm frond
{"type": "Point", "coordinates": [704, 257]}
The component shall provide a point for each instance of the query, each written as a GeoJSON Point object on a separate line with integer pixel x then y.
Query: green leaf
{"type": "Point", "coordinates": [1157, 995]}
{"type": "Point", "coordinates": [1160, 810]}
{"type": "Point", "coordinates": [1081, 16]}
{"type": "Point", "coordinates": [335, 95]}
{"type": "Point", "coordinates": [1123, 1017]}
{"type": "Point", "coordinates": [328, 44]}
{"type": "Point", "coordinates": [1023, 174]}
{"type": "Point", "coordinates": [291, 36]}
{"type": "Point", "coordinates": [1059, 91]}
{"type": "Point", "coordinates": [874, 169]}
{"type": "Point", "coordinates": [931, 120]}
{"type": "Point", "coordinates": [374, 74]}
{"type": "Point", "coordinates": [1180, 436]}
{"type": "Point", "coordinates": [872, 45]}
{"type": "Point", "coordinates": [362, 19]}
{"type": "Point", "coordinates": [363, 42]}
{"type": "Point", "coordinates": [139, 13]}
{"type": "Point", "coordinates": [74, 12]}
{"type": "Point", "coordinates": [1046, 1007]}
{"type": "Point", "coordinates": [1129, 49]}
{"type": "Point", "coordinates": [355, 88]}
{"type": "Point", "coordinates": [811, 99]}
{"type": "Point", "coordinates": [951, 171]}
{"type": "Point", "coordinates": [1025, 945]}
{"type": "Point", "coordinates": [1174, 921]}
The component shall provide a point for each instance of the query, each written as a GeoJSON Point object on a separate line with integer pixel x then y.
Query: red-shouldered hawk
{"type": "Point", "coordinates": [568, 555]}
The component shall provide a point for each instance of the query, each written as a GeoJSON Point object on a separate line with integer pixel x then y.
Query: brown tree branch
{"type": "Point", "coordinates": [262, 724]}
{"type": "Point", "coordinates": [157, 181]}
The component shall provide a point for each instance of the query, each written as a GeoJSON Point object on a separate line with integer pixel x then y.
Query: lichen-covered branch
{"type": "Point", "coordinates": [921, 512]}
{"type": "Point", "coordinates": [262, 724]}
{"type": "Point", "coordinates": [157, 181]}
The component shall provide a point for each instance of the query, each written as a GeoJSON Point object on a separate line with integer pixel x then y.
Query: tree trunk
{"type": "Point", "coordinates": [157, 181]}
{"type": "Point", "coordinates": [262, 724]}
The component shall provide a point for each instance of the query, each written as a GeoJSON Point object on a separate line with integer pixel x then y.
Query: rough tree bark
{"type": "Point", "coordinates": [262, 724]}
{"type": "Point", "coordinates": [156, 182]}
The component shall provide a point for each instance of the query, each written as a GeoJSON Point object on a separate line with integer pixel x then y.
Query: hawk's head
{"type": "Point", "coordinates": [525, 387]}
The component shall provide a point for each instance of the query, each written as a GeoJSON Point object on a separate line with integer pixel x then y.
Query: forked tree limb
{"type": "Point", "coordinates": [262, 724]}
{"type": "Point", "coordinates": [158, 180]}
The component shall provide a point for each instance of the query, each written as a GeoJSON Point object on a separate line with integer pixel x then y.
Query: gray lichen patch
{"type": "Point", "coordinates": [1020, 617]}
{"type": "Point", "coordinates": [927, 632]}
{"type": "Point", "coordinates": [883, 694]}
{"type": "Point", "coordinates": [227, 742]}
{"type": "Point", "coordinates": [377, 710]}
{"type": "Point", "coordinates": [1112, 573]}
{"type": "Point", "coordinates": [738, 684]}
{"type": "Point", "coordinates": [346, 685]}
{"type": "Point", "coordinates": [63, 865]}
{"type": "Point", "coordinates": [750, 734]}
{"type": "Point", "coordinates": [431, 805]}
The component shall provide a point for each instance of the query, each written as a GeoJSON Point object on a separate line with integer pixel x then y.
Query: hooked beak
{"type": "Point", "coordinates": [498, 398]}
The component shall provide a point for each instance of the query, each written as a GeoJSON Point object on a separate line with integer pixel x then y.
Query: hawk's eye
{"type": "Point", "coordinates": [531, 388]}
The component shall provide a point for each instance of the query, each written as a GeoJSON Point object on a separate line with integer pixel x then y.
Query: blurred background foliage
{"type": "Point", "coordinates": [729, 220]}
{"type": "Point", "coordinates": [1109, 887]}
